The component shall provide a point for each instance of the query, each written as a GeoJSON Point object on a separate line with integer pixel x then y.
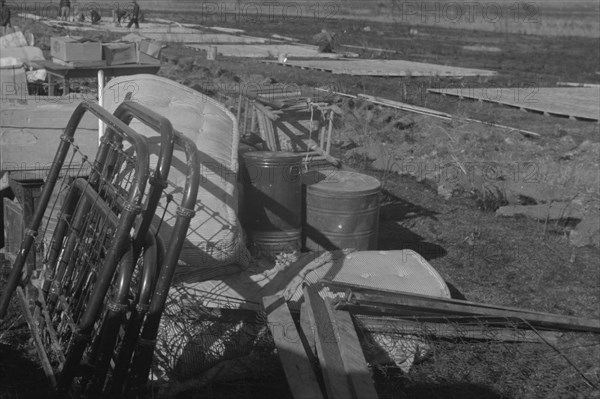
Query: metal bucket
{"type": "Point", "coordinates": [272, 201]}
{"type": "Point", "coordinates": [342, 211]}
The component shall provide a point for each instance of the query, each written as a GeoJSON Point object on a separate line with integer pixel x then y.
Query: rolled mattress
{"type": "Point", "coordinates": [215, 237]}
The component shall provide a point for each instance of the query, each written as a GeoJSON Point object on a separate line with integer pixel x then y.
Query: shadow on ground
{"type": "Point", "coordinates": [393, 236]}
{"type": "Point", "coordinates": [20, 376]}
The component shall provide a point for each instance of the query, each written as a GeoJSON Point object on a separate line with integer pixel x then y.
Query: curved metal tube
{"type": "Point", "coordinates": [135, 196]}
{"type": "Point", "coordinates": [125, 112]}
{"type": "Point", "coordinates": [117, 306]}
{"type": "Point", "coordinates": [143, 356]}
{"type": "Point", "coordinates": [152, 255]}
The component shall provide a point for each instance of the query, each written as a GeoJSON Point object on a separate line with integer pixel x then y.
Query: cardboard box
{"type": "Point", "coordinates": [119, 53]}
{"type": "Point", "coordinates": [75, 49]}
{"type": "Point", "coordinates": [150, 47]}
{"type": "Point", "coordinates": [144, 58]}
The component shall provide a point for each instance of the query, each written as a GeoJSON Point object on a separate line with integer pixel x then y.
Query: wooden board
{"type": "Point", "coordinates": [307, 324]}
{"type": "Point", "coordinates": [30, 133]}
{"type": "Point", "coordinates": [375, 49]}
{"type": "Point", "coordinates": [352, 355]}
{"type": "Point", "coordinates": [466, 331]}
{"type": "Point", "coordinates": [383, 301]}
{"type": "Point", "coordinates": [269, 50]}
{"type": "Point", "coordinates": [298, 370]}
{"type": "Point", "coordinates": [573, 102]}
{"type": "Point", "coordinates": [385, 68]}
{"type": "Point", "coordinates": [330, 359]}
{"type": "Point", "coordinates": [340, 355]}
{"type": "Point", "coordinates": [202, 38]}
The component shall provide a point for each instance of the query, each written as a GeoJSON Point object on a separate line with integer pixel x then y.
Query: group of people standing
{"type": "Point", "coordinates": [132, 12]}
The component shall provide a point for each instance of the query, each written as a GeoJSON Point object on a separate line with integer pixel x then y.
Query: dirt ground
{"type": "Point", "coordinates": [452, 221]}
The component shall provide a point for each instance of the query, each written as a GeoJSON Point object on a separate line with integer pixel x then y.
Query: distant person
{"type": "Point", "coordinates": [4, 15]}
{"type": "Point", "coordinates": [118, 15]}
{"type": "Point", "coordinates": [325, 41]}
{"type": "Point", "coordinates": [65, 9]}
{"type": "Point", "coordinates": [95, 17]}
{"type": "Point", "coordinates": [134, 15]}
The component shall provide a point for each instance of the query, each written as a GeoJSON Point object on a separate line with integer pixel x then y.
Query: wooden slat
{"type": "Point", "coordinates": [186, 37]}
{"type": "Point", "coordinates": [575, 102]}
{"type": "Point", "coordinates": [352, 355]}
{"type": "Point", "coordinates": [363, 67]}
{"type": "Point", "coordinates": [307, 324]}
{"type": "Point", "coordinates": [361, 291]}
{"type": "Point", "coordinates": [337, 383]}
{"type": "Point", "coordinates": [334, 374]}
{"type": "Point", "coordinates": [298, 370]}
{"type": "Point", "coordinates": [573, 84]}
{"type": "Point", "coordinates": [403, 106]}
{"type": "Point", "coordinates": [435, 305]}
{"type": "Point", "coordinates": [428, 111]}
{"type": "Point", "coordinates": [383, 50]}
{"type": "Point", "coordinates": [270, 50]}
{"type": "Point", "coordinates": [455, 330]}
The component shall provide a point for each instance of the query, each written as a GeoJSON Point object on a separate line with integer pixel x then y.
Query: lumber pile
{"type": "Point", "coordinates": [325, 334]}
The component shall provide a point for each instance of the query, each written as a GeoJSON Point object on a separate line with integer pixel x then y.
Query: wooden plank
{"type": "Point", "coordinates": [403, 106]}
{"type": "Point", "coordinates": [576, 102]}
{"type": "Point", "coordinates": [336, 380]}
{"type": "Point", "coordinates": [383, 50]}
{"type": "Point", "coordinates": [269, 50]}
{"type": "Point", "coordinates": [572, 84]}
{"type": "Point", "coordinates": [202, 37]}
{"type": "Point", "coordinates": [435, 114]}
{"type": "Point", "coordinates": [298, 370]}
{"type": "Point", "coordinates": [307, 324]}
{"type": "Point", "coordinates": [435, 305]}
{"type": "Point", "coordinates": [364, 67]}
{"type": "Point", "coordinates": [454, 330]}
{"type": "Point", "coordinates": [352, 355]}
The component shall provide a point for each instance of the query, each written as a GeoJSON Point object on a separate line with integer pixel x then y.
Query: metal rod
{"type": "Point", "coordinates": [245, 115]}
{"type": "Point", "coordinates": [100, 102]}
{"type": "Point", "coordinates": [253, 114]}
{"type": "Point", "coordinates": [328, 149]}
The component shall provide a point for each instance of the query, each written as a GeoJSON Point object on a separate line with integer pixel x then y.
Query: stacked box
{"type": "Point", "coordinates": [120, 53]}
{"type": "Point", "coordinates": [150, 47]}
{"type": "Point", "coordinates": [75, 49]}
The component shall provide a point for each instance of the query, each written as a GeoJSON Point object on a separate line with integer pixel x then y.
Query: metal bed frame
{"type": "Point", "coordinates": [95, 308]}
